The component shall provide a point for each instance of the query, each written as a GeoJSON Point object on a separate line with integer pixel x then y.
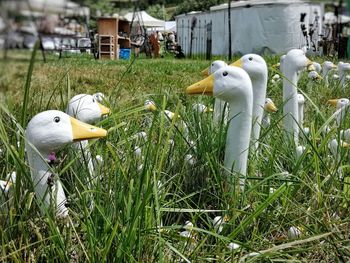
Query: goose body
{"type": "Point", "coordinates": [256, 68]}
{"type": "Point", "coordinates": [46, 132]}
{"type": "Point", "coordinates": [233, 85]}
{"type": "Point", "coordinates": [294, 62]}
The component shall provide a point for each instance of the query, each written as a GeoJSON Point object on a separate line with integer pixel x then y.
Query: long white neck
{"type": "Point", "coordinates": [238, 135]}
{"type": "Point", "coordinates": [301, 114]}
{"type": "Point", "coordinates": [41, 177]}
{"type": "Point", "coordinates": [219, 111]}
{"type": "Point", "coordinates": [325, 72]}
{"type": "Point", "coordinates": [290, 108]}
{"type": "Point", "coordinates": [266, 120]}
{"type": "Point", "coordinates": [86, 155]}
{"type": "Point", "coordinates": [341, 78]}
{"type": "Point", "coordinates": [341, 113]}
{"type": "Point", "coordinates": [325, 75]}
{"type": "Point", "coordinates": [259, 96]}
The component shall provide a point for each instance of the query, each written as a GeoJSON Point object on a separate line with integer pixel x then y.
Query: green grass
{"type": "Point", "coordinates": [135, 220]}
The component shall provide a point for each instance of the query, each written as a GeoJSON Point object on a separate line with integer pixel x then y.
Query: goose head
{"type": "Point", "coordinates": [335, 147]}
{"type": "Point", "coordinates": [99, 96]}
{"type": "Point", "coordinates": [313, 75]}
{"type": "Point", "coordinates": [254, 65]}
{"type": "Point", "coordinates": [339, 103]}
{"type": "Point", "coordinates": [344, 67]}
{"type": "Point", "coordinates": [86, 108]}
{"type": "Point", "coordinates": [150, 105]}
{"type": "Point", "coordinates": [214, 66]}
{"type": "Point", "coordinates": [171, 115]}
{"type": "Point", "coordinates": [228, 83]}
{"type": "Point", "coordinates": [269, 105]}
{"type": "Point", "coordinates": [317, 66]}
{"type": "Point", "coordinates": [201, 108]}
{"type": "Point", "coordinates": [50, 130]}
{"type": "Point", "coordinates": [328, 65]}
{"type": "Point", "coordinates": [296, 60]}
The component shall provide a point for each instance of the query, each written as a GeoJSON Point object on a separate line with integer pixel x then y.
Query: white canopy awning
{"type": "Point", "coordinates": [144, 19]}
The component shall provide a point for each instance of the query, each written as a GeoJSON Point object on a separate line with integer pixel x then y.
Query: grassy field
{"type": "Point", "coordinates": [142, 203]}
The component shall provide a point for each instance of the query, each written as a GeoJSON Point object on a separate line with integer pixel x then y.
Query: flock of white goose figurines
{"type": "Point", "coordinates": [240, 102]}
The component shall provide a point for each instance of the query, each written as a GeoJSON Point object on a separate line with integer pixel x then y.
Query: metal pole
{"type": "Point", "coordinates": [229, 31]}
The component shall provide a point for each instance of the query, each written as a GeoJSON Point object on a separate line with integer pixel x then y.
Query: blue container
{"type": "Point", "coordinates": [124, 53]}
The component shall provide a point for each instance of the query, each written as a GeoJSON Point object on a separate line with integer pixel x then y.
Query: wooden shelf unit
{"type": "Point", "coordinates": [106, 47]}
{"type": "Point", "coordinates": [118, 31]}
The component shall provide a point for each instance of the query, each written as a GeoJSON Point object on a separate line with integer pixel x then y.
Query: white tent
{"type": "Point", "coordinates": [257, 26]}
{"type": "Point", "coordinates": [144, 19]}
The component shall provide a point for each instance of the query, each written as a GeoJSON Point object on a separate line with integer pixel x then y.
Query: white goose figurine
{"type": "Point", "coordinates": [256, 68]}
{"type": "Point", "coordinates": [345, 135]}
{"type": "Point", "coordinates": [46, 132]}
{"type": "Point", "coordinates": [335, 148]}
{"type": "Point", "coordinates": [326, 68]}
{"type": "Point", "coordinates": [169, 115]}
{"type": "Point", "coordinates": [201, 108]}
{"type": "Point", "coordinates": [233, 85]}
{"type": "Point", "coordinates": [342, 106]}
{"type": "Point", "coordinates": [343, 69]}
{"type": "Point", "coordinates": [86, 108]}
{"type": "Point", "coordinates": [294, 62]}
{"type": "Point", "coordinates": [269, 107]}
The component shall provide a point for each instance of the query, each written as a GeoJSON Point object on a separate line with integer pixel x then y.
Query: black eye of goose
{"type": "Point", "coordinates": [225, 73]}
{"type": "Point", "coordinates": [250, 58]}
{"type": "Point", "coordinates": [93, 100]}
{"type": "Point", "coordinates": [56, 119]}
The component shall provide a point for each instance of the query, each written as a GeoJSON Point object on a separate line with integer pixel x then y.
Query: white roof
{"type": "Point", "coordinates": [330, 18]}
{"type": "Point", "coordinates": [144, 19]}
{"type": "Point", "coordinates": [250, 3]}
{"type": "Point", "coordinates": [170, 26]}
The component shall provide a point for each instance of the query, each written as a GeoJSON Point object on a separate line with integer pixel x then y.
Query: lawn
{"type": "Point", "coordinates": [141, 202]}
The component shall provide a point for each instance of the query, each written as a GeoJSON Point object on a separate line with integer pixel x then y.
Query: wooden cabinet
{"type": "Point", "coordinates": [114, 34]}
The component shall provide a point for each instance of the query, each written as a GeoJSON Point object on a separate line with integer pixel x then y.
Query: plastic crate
{"type": "Point", "coordinates": [124, 53]}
